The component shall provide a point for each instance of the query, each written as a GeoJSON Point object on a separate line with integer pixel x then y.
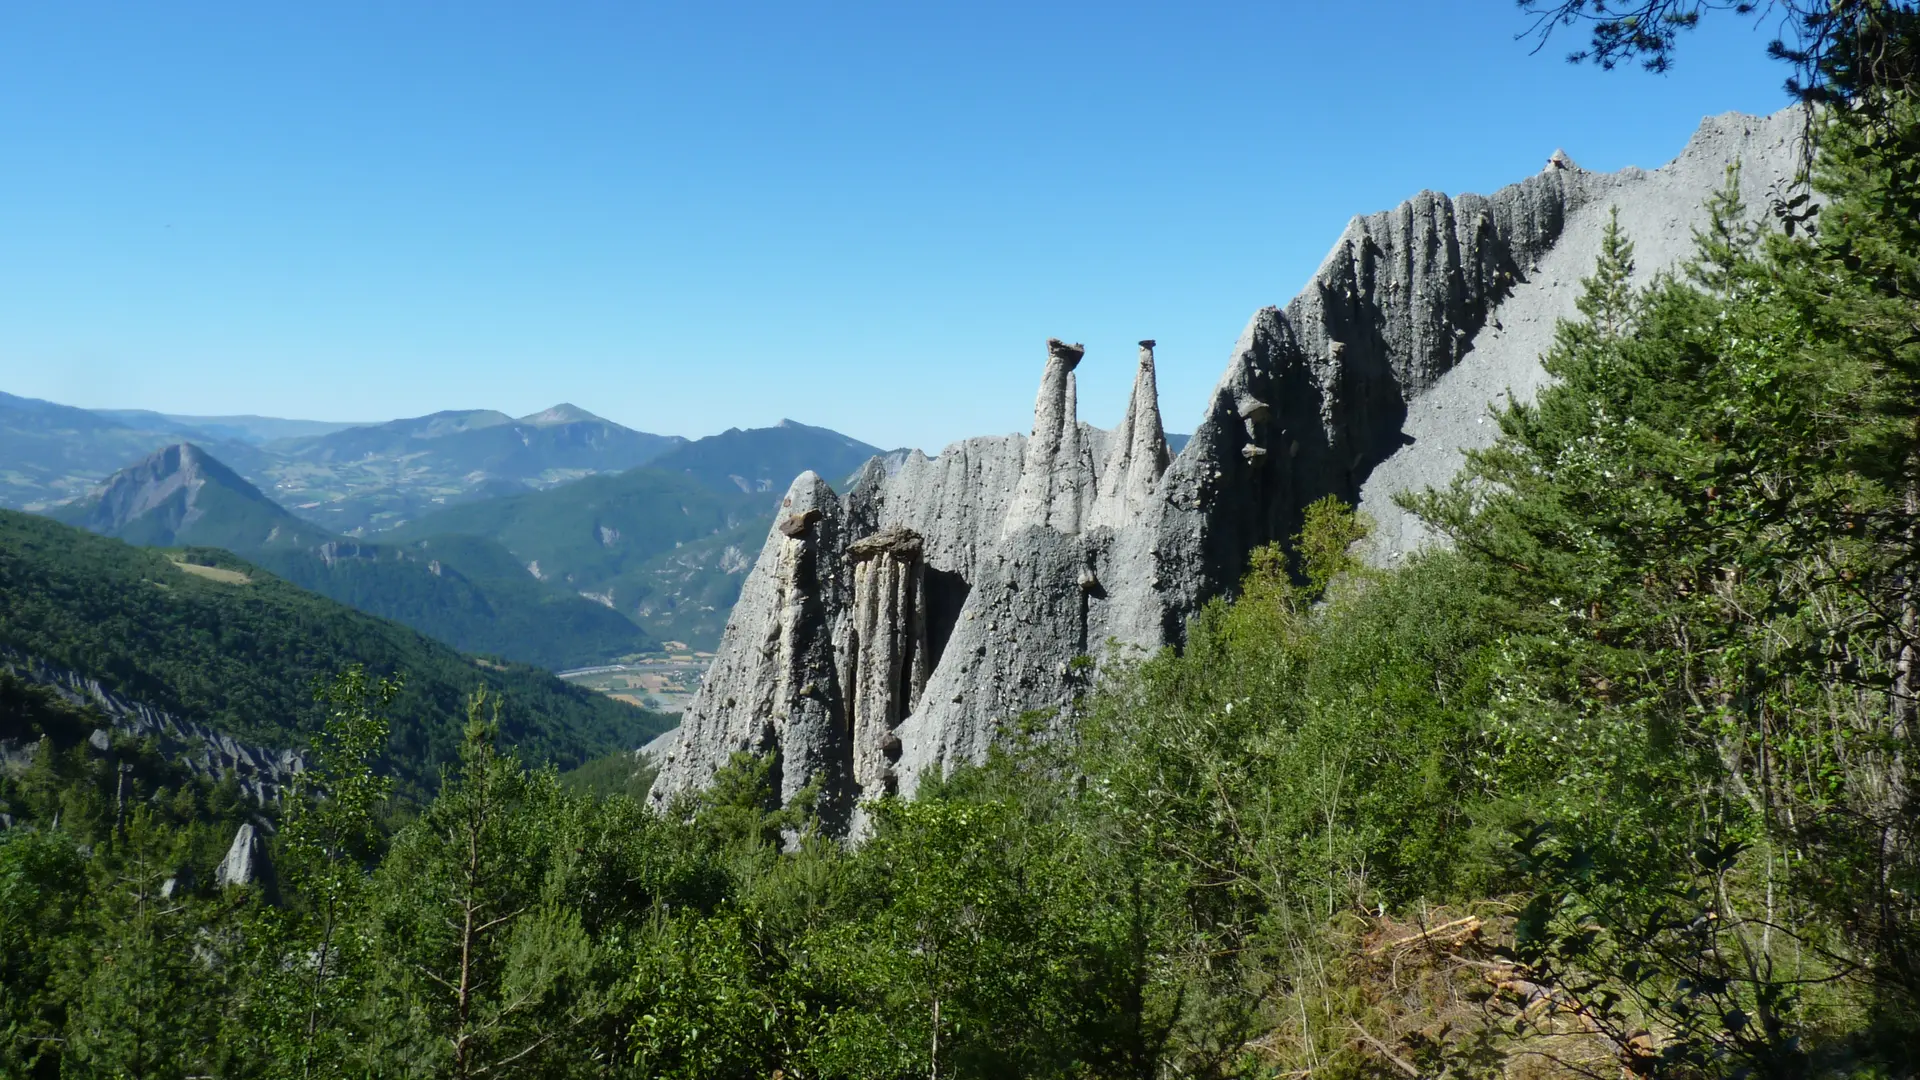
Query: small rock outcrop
{"type": "Point", "coordinates": [245, 862]}
{"type": "Point", "coordinates": [896, 630]}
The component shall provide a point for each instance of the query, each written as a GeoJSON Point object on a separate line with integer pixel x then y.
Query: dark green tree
{"type": "Point", "coordinates": [310, 954]}
{"type": "Point", "coordinates": [483, 948]}
{"type": "Point", "coordinates": [43, 884]}
{"type": "Point", "coordinates": [145, 1002]}
{"type": "Point", "coordinates": [1607, 299]}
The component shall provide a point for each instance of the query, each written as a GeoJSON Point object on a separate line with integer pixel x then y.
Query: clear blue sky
{"type": "Point", "coordinates": [695, 216]}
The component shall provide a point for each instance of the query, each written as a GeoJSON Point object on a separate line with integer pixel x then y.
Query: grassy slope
{"type": "Point", "coordinates": [243, 657]}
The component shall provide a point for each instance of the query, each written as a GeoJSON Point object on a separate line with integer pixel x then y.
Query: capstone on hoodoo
{"type": "Point", "coordinates": [899, 629]}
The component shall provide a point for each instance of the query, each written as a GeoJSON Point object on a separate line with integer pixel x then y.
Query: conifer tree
{"type": "Point", "coordinates": [145, 1007]}
{"type": "Point", "coordinates": [482, 951]}
{"type": "Point", "coordinates": [43, 886]}
{"type": "Point", "coordinates": [1607, 297]}
{"type": "Point", "coordinates": [310, 957]}
{"type": "Point", "coordinates": [1729, 242]}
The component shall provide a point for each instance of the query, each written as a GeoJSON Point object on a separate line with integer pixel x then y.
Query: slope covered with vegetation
{"type": "Point", "coordinates": [666, 545]}
{"type": "Point", "coordinates": [245, 656]}
{"type": "Point", "coordinates": [617, 537]}
{"type": "Point", "coordinates": [767, 459]}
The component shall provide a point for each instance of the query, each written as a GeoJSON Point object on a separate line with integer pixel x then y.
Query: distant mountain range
{"type": "Point", "coordinates": [50, 453]}
{"type": "Point", "coordinates": [354, 479]}
{"type": "Point", "coordinates": [359, 479]}
{"type": "Point", "coordinates": [767, 459]}
{"type": "Point", "coordinates": [258, 430]}
{"type": "Point", "coordinates": [668, 544]}
{"type": "Point", "coordinates": [558, 538]}
{"type": "Point", "coordinates": [349, 478]}
{"type": "Point", "coordinates": [465, 591]}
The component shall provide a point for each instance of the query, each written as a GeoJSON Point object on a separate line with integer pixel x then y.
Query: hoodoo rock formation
{"type": "Point", "coordinates": [897, 630]}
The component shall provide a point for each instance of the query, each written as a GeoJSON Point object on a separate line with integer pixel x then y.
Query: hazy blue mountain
{"type": "Point", "coordinates": [563, 437]}
{"type": "Point", "coordinates": [767, 459]}
{"type": "Point", "coordinates": [668, 544]}
{"type": "Point", "coordinates": [257, 430]}
{"type": "Point", "coordinates": [50, 452]}
{"type": "Point", "coordinates": [181, 495]}
{"type": "Point", "coordinates": [466, 591]}
{"type": "Point", "coordinates": [378, 476]}
{"type": "Point", "coordinates": [676, 572]}
{"type": "Point", "coordinates": [392, 437]}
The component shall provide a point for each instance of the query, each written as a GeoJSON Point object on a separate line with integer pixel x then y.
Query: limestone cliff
{"type": "Point", "coordinates": [896, 630]}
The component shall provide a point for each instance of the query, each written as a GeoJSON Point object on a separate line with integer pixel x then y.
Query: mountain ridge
{"type": "Point", "coordinates": [183, 496]}
{"type": "Point", "coordinates": [764, 460]}
{"type": "Point", "coordinates": [666, 544]}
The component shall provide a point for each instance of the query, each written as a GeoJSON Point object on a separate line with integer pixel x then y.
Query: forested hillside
{"type": "Point", "coordinates": [242, 651]}
{"type": "Point", "coordinates": [766, 459]}
{"type": "Point", "coordinates": [666, 545]}
{"type": "Point", "coordinates": [653, 544]}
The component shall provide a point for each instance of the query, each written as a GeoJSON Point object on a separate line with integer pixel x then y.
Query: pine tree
{"type": "Point", "coordinates": [146, 1003]}
{"type": "Point", "coordinates": [1607, 296]}
{"type": "Point", "coordinates": [309, 955]}
{"type": "Point", "coordinates": [43, 889]}
{"type": "Point", "coordinates": [1725, 249]}
{"type": "Point", "coordinates": [482, 949]}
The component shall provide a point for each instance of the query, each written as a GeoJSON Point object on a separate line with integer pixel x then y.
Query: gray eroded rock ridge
{"type": "Point", "coordinates": [893, 631]}
{"type": "Point", "coordinates": [263, 773]}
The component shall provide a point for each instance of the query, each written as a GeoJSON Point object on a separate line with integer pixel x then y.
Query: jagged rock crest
{"type": "Point", "coordinates": [899, 629]}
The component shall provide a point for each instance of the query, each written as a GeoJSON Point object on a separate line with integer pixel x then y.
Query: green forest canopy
{"type": "Point", "coordinates": [246, 658]}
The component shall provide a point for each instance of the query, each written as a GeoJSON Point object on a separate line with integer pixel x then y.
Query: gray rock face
{"type": "Point", "coordinates": [897, 630]}
{"type": "Point", "coordinates": [245, 862]}
{"type": "Point", "coordinates": [1659, 209]}
{"type": "Point", "coordinates": [152, 485]}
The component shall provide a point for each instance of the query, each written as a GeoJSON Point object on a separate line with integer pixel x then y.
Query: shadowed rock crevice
{"type": "Point", "coordinates": [946, 595]}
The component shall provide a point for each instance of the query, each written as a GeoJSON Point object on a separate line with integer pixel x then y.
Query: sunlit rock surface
{"type": "Point", "coordinates": [894, 630]}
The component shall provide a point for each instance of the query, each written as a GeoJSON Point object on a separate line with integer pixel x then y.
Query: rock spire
{"type": "Point", "coordinates": [1139, 455]}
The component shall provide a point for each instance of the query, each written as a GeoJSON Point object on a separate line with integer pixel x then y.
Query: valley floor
{"type": "Point", "coordinates": [663, 682]}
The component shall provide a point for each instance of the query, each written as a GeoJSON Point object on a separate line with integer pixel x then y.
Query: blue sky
{"type": "Point", "coordinates": [698, 216]}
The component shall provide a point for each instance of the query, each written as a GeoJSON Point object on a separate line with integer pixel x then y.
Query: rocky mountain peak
{"type": "Point", "coordinates": [181, 494]}
{"type": "Point", "coordinates": [170, 475]}
{"type": "Point", "coordinates": [563, 413]}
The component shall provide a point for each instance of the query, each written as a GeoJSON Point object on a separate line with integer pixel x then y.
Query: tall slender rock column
{"type": "Point", "coordinates": [1048, 493]}
{"type": "Point", "coordinates": [1139, 456]}
{"type": "Point", "coordinates": [890, 661]}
